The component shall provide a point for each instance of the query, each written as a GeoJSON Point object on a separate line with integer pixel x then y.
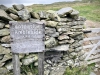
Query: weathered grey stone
{"type": "Point", "coordinates": [18, 7]}
{"type": "Point", "coordinates": [24, 14]}
{"type": "Point", "coordinates": [6, 45]}
{"type": "Point", "coordinates": [80, 22]}
{"type": "Point", "coordinates": [51, 42]}
{"type": "Point", "coordinates": [29, 59]}
{"type": "Point", "coordinates": [51, 32]}
{"type": "Point", "coordinates": [6, 57]}
{"type": "Point", "coordinates": [51, 23]}
{"type": "Point", "coordinates": [53, 15]}
{"type": "Point", "coordinates": [43, 15]}
{"type": "Point", "coordinates": [3, 7]}
{"type": "Point", "coordinates": [46, 72]}
{"type": "Point", "coordinates": [9, 66]}
{"type": "Point", "coordinates": [76, 34]}
{"type": "Point", "coordinates": [61, 47]}
{"type": "Point", "coordinates": [58, 70]}
{"type": "Point", "coordinates": [34, 20]}
{"type": "Point", "coordinates": [4, 16]}
{"type": "Point", "coordinates": [6, 39]}
{"type": "Point", "coordinates": [80, 18]}
{"type": "Point", "coordinates": [4, 50]}
{"type": "Point", "coordinates": [63, 28]}
{"type": "Point", "coordinates": [14, 17]}
{"type": "Point", "coordinates": [35, 15]}
{"type": "Point", "coordinates": [61, 23]}
{"type": "Point", "coordinates": [4, 32]}
{"type": "Point", "coordinates": [1, 25]}
{"type": "Point", "coordinates": [11, 10]}
{"type": "Point", "coordinates": [3, 71]}
{"type": "Point", "coordinates": [64, 11]}
{"type": "Point", "coordinates": [64, 42]}
{"type": "Point", "coordinates": [63, 37]}
{"type": "Point", "coordinates": [74, 12]}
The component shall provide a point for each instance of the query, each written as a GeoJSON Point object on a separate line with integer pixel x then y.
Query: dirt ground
{"type": "Point", "coordinates": [91, 24]}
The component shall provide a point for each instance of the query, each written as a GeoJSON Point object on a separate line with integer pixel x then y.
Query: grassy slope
{"type": "Point", "coordinates": [89, 10]}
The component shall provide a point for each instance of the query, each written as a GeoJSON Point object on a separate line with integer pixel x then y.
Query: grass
{"type": "Point", "coordinates": [89, 10]}
{"type": "Point", "coordinates": [79, 70]}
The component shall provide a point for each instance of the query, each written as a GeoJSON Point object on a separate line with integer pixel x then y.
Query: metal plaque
{"type": "Point", "coordinates": [27, 37]}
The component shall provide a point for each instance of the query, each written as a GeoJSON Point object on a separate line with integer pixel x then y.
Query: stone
{"type": "Point", "coordinates": [24, 14]}
{"type": "Point", "coordinates": [1, 56]}
{"type": "Point", "coordinates": [7, 26]}
{"type": "Point", "coordinates": [74, 12]}
{"type": "Point", "coordinates": [11, 10]}
{"type": "Point", "coordinates": [64, 42]}
{"type": "Point", "coordinates": [34, 20]}
{"type": "Point", "coordinates": [63, 37]}
{"type": "Point", "coordinates": [51, 42]}
{"type": "Point", "coordinates": [18, 7]}
{"type": "Point", "coordinates": [1, 25]}
{"type": "Point", "coordinates": [76, 34]}
{"type": "Point", "coordinates": [14, 17]}
{"type": "Point", "coordinates": [3, 71]}
{"type": "Point", "coordinates": [58, 70]}
{"type": "Point", "coordinates": [51, 23]}
{"type": "Point", "coordinates": [35, 15]}
{"type": "Point", "coordinates": [29, 59]}
{"type": "Point", "coordinates": [6, 39]}
{"type": "Point", "coordinates": [51, 32]}
{"type": "Point", "coordinates": [64, 11]}
{"type": "Point", "coordinates": [4, 32]}
{"type": "Point", "coordinates": [61, 47]}
{"type": "Point", "coordinates": [63, 28]}
{"type": "Point", "coordinates": [4, 16]}
{"type": "Point", "coordinates": [6, 57]}
{"type": "Point", "coordinates": [43, 15]}
{"type": "Point", "coordinates": [4, 50]}
{"type": "Point", "coordinates": [46, 72]}
{"type": "Point", "coordinates": [70, 62]}
{"type": "Point", "coordinates": [29, 73]}
{"type": "Point", "coordinates": [80, 18]}
{"type": "Point", "coordinates": [53, 15]}
{"type": "Point", "coordinates": [3, 7]}
{"type": "Point", "coordinates": [6, 45]}
{"type": "Point", "coordinates": [9, 66]}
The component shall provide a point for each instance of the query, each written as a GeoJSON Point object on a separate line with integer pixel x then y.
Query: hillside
{"type": "Point", "coordinates": [90, 10]}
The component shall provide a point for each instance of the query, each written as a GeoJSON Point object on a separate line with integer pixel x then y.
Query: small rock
{"type": "Point", "coordinates": [29, 59]}
{"type": "Point", "coordinates": [63, 28]}
{"type": "Point", "coordinates": [61, 48]}
{"type": "Point", "coordinates": [51, 42]}
{"type": "Point", "coordinates": [51, 23]}
{"type": "Point", "coordinates": [4, 16]}
{"type": "Point", "coordinates": [4, 32]}
{"type": "Point", "coordinates": [24, 14]}
{"type": "Point", "coordinates": [43, 15]}
{"type": "Point", "coordinates": [14, 17]}
{"type": "Point", "coordinates": [4, 50]}
{"type": "Point", "coordinates": [75, 12]}
{"type": "Point", "coordinates": [63, 37]}
{"type": "Point", "coordinates": [7, 26]}
{"type": "Point", "coordinates": [34, 20]}
{"type": "Point", "coordinates": [18, 7]}
{"type": "Point", "coordinates": [35, 15]}
{"type": "Point", "coordinates": [1, 25]}
{"type": "Point", "coordinates": [6, 39]}
{"type": "Point", "coordinates": [3, 71]}
{"type": "Point", "coordinates": [11, 10]}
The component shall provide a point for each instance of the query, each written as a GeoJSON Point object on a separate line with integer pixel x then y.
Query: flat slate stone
{"type": "Point", "coordinates": [64, 11]}
{"type": "Point", "coordinates": [3, 7]}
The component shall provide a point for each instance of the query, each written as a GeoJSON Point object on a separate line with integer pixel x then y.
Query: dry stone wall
{"type": "Point", "coordinates": [63, 38]}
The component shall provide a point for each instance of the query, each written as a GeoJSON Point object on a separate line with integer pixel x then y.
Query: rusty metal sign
{"type": "Point", "coordinates": [27, 37]}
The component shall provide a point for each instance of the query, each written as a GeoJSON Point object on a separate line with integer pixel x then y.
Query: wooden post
{"type": "Point", "coordinates": [40, 63]}
{"type": "Point", "coordinates": [16, 64]}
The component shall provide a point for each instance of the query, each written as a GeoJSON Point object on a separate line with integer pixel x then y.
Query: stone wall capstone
{"type": "Point", "coordinates": [63, 38]}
